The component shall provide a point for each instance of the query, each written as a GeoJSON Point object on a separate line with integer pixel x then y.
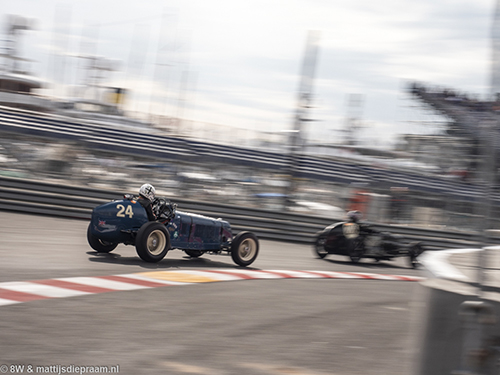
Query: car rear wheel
{"type": "Point", "coordinates": [99, 245]}
{"type": "Point", "coordinates": [152, 242]}
{"type": "Point", "coordinates": [244, 248]}
{"type": "Point", "coordinates": [319, 246]}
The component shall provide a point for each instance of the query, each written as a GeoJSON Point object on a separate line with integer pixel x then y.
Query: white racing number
{"type": "Point", "coordinates": [351, 230]}
{"type": "Point", "coordinates": [122, 211]}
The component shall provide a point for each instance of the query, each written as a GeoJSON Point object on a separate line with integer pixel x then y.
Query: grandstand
{"type": "Point", "coordinates": [468, 115]}
{"type": "Point", "coordinates": [473, 123]}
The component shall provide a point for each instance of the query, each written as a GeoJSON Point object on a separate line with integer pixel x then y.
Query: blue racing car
{"type": "Point", "coordinates": [126, 221]}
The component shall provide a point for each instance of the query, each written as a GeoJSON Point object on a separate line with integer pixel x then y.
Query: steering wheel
{"type": "Point", "coordinates": [162, 206]}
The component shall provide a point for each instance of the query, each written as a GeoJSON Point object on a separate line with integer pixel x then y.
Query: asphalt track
{"type": "Point", "coordinates": [208, 316]}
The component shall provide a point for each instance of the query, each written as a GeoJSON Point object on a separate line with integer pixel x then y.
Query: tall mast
{"type": "Point", "coordinates": [495, 55]}
{"type": "Point", "coordinates": [304, 99]}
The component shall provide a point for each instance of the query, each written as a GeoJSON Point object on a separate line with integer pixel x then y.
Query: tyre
{"type": "Point", "coordinates": [152, 242]}
{"type": "Point", "coordinates": [98, 245]}
{"type": "Point", "coordinates": [194, 253]}
{"type": "Point", "coordinates": [244, 248]}
{"type": "Point", "coordinates": [319, 246]}
{"type": "Point", "coordinates": [413, 253]}
{"type": "Point", "coordinates": [356, 250]}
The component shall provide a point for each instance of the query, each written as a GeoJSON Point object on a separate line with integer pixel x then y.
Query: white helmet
{"type": "Point", "coordinates": [147, 191]}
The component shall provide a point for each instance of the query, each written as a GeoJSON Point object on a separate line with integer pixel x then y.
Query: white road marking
{"type": "Point", "coordinates": [103, 283]}
{"type": "Point", "coordinates": [41, 290]}
{"type": "Point", "coordinates": [80, 286]}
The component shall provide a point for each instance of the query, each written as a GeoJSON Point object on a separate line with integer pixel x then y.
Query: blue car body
{"type": "Point", "coordinates": [119, 221]}
{"type": "Point", "coordinates": [126, 222]}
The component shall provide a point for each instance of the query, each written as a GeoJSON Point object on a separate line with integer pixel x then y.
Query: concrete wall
{"type": "Point", "coordinates": [446, 334]}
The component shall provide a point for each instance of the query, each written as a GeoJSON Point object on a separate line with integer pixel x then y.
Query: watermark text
{"type": "Point", "coordinates": [57, 369]}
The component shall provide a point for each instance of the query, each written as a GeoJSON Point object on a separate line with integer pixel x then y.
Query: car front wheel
{"type": "Point", "coordinates": [413, 253]}
{"type": "Point", "coordinates": [152, 242]}
{"type": "Point", "coordinates": [244, 248]}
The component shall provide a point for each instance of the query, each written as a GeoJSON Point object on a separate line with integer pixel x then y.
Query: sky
{"type": "Point", "coordinates": [238, 63]}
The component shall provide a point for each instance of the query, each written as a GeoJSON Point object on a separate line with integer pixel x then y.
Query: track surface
{"type": "Point", "coordinates": [277, 326]}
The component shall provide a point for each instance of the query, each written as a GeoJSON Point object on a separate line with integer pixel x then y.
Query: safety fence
{"type": "Point", "coordinates": [76, 202]}
{"type": "Point", "coordinates": [161, 148]}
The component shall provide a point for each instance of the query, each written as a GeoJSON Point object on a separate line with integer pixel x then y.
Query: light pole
{"type": "Point", "coordinates": [296, 141]}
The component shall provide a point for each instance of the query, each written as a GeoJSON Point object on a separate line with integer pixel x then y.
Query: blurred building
{"type": "Point", "coordinates": [17, 85]}
{"type": "Point", "coordinates": [450, 154]}
{"type": "Point", "coordinates": [473, 127]}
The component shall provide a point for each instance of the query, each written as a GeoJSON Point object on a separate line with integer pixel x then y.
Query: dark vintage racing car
{"type": "Point", "coordinates": [357, 242]}
{"type": "Point", "coordinates": [126, 222]}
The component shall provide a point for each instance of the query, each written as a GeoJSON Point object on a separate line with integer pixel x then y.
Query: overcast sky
{"type": "Point", "coordinates": [238, 63]}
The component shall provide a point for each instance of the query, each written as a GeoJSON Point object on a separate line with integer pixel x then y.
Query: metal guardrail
{"type": "Point", "coordinates": [167, 148]}
{"type": "Point", "coordinates": [76, 202]}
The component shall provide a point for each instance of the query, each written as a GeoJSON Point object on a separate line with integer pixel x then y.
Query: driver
{"type": "Point", "coordinates": [355, 217]}
{"type": "Point", "coordinates": [146, 199]}
{"type": "Point", "coordinates": [364, 230]}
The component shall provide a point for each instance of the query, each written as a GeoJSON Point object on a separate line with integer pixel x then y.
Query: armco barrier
{"type": "Point", "coordinates": [46, 198]}
{"type": "Point", "coordinates": [166, 148]}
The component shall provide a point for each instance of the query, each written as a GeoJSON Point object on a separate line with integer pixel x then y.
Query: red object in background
{"type": "Point", "coordinates": [359, 201]}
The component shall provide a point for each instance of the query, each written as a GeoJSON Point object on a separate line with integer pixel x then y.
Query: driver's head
{"type": "Point", "coordinates": [147, 191]}
{"type": "Point", "coordinates": [354, 216]}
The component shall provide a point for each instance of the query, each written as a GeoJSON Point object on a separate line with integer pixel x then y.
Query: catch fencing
{"type": "Point", "coordinates": [76, 202]}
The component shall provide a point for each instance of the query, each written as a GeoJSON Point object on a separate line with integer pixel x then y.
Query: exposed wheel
{"type": "Point", "coordinates": [244, 248]}
{"type": "Point", "coordinates": [194, 253]}
{"type": "Point", "coordinates": [356, 250]}
{"type": "Point", "coordinates": [152, 242]}
{"type": "Point", "coordinates": [98, 245]}
{"type": "Point", "coordinates": [413, 253]}
{"type": "Point", "coordinates": [319, 246]}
